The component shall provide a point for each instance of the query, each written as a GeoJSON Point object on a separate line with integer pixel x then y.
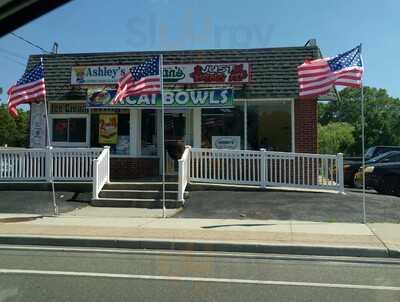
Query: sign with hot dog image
{"type": "Point", "coordinates": [108, 129]}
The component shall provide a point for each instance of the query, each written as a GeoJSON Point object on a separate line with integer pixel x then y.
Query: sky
{"type": "Point", "coordinates": [132, 25]}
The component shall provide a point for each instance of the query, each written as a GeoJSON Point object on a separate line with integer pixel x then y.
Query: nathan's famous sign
{"type": "Point", "coordinates": [216, 73]}
{"type": "Point", "coordinates": [205, 98]}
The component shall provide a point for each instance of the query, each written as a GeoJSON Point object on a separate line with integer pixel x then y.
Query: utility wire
{"type": "Point", "coordinates": [12, 53]}
{"type": "Point", "coordinates": [4, 56]}
{"type": "Point", "coordinates": [30, 43]}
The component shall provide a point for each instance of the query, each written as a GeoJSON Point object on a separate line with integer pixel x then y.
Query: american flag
{"type": "Point", "coordinates": [142, 79]}
{"type": "Point", "coordinates": [28, 89]}
{"type": "Point", "coordinates": [317, 77]}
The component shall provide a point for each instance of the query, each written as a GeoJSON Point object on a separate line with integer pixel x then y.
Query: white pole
{"type": "Point", "coordinates": [162, 136]}
{"type": "Point", "coordinates": [363, 151]}
{"type": "Point", "coordinates": [49, 145]}
{"type": "Point", "coordinates": [245, 125]}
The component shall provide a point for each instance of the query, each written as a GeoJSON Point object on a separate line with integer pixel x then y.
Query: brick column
{"type": "Point", "coordinates": [306, 125]}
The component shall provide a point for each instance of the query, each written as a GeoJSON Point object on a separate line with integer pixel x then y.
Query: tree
{"type": "Point", "coordinates": [335, 137]}
{"type": "Point", "coordinates": [382, 117]}
{"type": "Point", "coordinates": [13, 132]}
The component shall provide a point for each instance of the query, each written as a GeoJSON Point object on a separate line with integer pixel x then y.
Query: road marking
{"type": "Point", "coordinates": [256, 256]}
{"type": "Point", "coordinates": [194, 279]}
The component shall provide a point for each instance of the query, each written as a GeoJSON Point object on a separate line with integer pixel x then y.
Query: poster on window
{"type": "Point", "coordinates": [226, 142]}
{"type": "Point", "coordinates": [108, 129]}
{"type": "Point", "coordinates": [122, 146]}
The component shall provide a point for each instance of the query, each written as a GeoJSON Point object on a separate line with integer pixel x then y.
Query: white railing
{"type": "Point", "coordinates": [101, 171]}
{"type": "Point", "coordinates": [73, 164]}
{"type": "Point", "coordinates": [183, 173]}
{"type": "Point", "coordinates": [47, 164]}
{"type": "Point", "coordinates": [303, 170]}
{"type": "Point", "coordinates": [266, 168]}
{"type": "Point", "coordinates": [23, 164]}
{"type": "Point", "coordinates": [225, 166]}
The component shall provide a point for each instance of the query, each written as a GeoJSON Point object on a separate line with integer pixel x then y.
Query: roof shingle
{"type": "Point", "coordinates": [274, 70]}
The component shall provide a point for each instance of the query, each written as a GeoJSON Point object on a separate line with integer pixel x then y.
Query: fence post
{"type": "Point", "coordinates": [95, 178]}
{"type": "Point", "coordinates": [180, 179]}
{"type": "Point", "coordinates": [49, 163]}
{"type": "Point", "coordinates": [187, 167]}
{"type": "Point", "coordinates": [108, 163]}
{"type": "Point", "coordinates": [263, 168]}
{"type": "Point", "coordinates": [340, 172]}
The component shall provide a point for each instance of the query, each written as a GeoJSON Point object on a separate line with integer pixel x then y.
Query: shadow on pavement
{"type": "Point", "coordinates": [238, 224]}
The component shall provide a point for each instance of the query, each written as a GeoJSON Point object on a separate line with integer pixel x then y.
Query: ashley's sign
{"type": "Point", "coordinates": [212, 73]}
{"type": "Point", "coordinates": [104, 74]}
{"type": "Point", "coordinates": [205, 98]}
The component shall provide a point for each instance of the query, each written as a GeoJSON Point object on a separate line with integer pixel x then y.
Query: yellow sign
{"type": "Point", "coordinates": [108, 129]}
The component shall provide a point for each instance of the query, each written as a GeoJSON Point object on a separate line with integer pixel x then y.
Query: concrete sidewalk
{"type": "Point", "coordinates": [299, 237]}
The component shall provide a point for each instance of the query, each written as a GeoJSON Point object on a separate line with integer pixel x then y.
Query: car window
{"type": "Point", "coordinates": [394, 158]}
{"type": "Point", "coordinates": [380, 157]}
{"type": "Point", "coordinates": [370, 152]}
{"type": "Point", "coordinates": [381, 150]}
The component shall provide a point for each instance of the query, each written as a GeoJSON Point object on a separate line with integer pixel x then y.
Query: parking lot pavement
{"type": "Point", "coordinates": [287, 205]}
{"type": "Point", "coordinates": [40, 202]}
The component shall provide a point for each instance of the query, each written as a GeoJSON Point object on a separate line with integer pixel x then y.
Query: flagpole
{"type": "Point", "coordinates": [162, 136]}
{"type": "Point", "coordinates": [363, 145]}
{"type": "Point", "coordinates": [363, 151]}
{"type": "Point", "coordinates": [49, 150]}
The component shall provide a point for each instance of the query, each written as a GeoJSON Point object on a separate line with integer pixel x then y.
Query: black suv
{"type": "Point", "coordinates": [385, 178]}
{"type": "Point", "coordinates": [352, 164]}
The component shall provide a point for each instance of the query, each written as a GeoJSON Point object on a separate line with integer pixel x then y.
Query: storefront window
{"type": "Point", "coordinates": [60, 130]}
{"type": "Point", "coordinates": [149, 132]}
{"type": "Point", "coordinates": [69, 130]}
{"type": "Point", "coordinates": [222, 122]}
{"type": "Point", "coordinates": [269, 126]}
{"type": "Point", "coordinates": [111, 129]}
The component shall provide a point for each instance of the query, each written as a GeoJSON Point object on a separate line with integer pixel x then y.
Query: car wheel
{"type": "Point", "coordinates": [389, 185]}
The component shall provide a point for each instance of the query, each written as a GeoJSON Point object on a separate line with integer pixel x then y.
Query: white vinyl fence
{"type": "Point", "coordinates": [183, 173]}
{"type": "Point", "coordinates": [267, 168]}
{"type": "Point", "coordinates": [74, 164]}
{"type": "Point", "coordinates": [22, 164]}
{"type": "Point", "coordinates": [101, 171]}
{"type": "Point", "coordinates": [61, 164]}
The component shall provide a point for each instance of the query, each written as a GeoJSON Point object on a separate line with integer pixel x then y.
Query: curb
{"type": "Point", "coordinates": [198, 246]}
{"type": "Point", "coordinates": [393, 253]}
{"type": "Point", "coordinates": [13, 218]}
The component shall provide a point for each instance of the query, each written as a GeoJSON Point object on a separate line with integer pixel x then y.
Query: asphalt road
{"type": "Point", "coordinates": [285, 205]}
{"type": "Point", "coordinates": [40, 202]}
{"type": "Point", "coordinates": [57, 274]}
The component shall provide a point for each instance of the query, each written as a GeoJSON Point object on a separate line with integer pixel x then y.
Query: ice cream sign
{"type": "Point", "coordinates": [202, 73]}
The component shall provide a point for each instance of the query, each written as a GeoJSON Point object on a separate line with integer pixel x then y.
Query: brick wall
{"type": "Point", "coordinates": [133, 168]}
{"type": "Point", "coordinates": [306, 121]}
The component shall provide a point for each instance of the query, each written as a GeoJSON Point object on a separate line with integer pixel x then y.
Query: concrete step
{"type": "Point", "coordinates": [141, 194]}
{"type": "Point", "coordinates": [136, 203]}
{"type": "Point", "coordinates": [153, 185]}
